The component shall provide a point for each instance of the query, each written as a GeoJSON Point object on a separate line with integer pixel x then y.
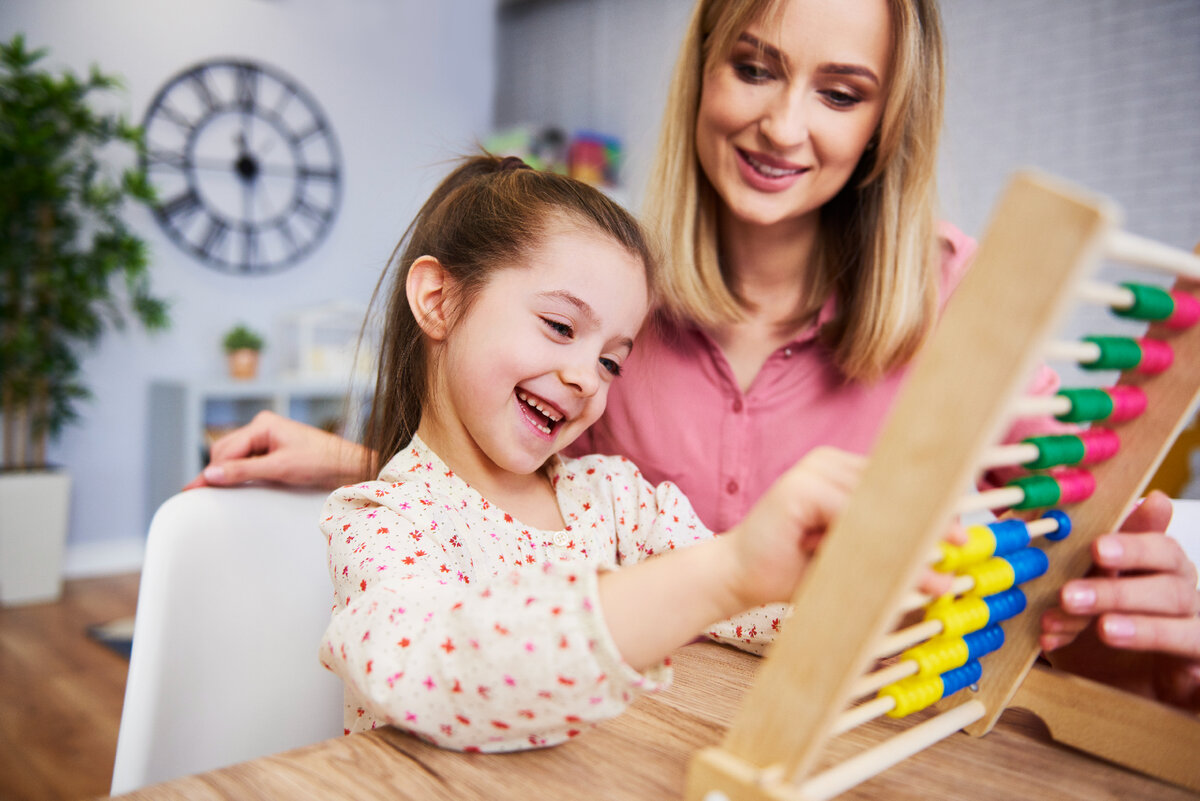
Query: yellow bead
{"type": "Point", "coordinates": [980, 545]}
{"type": "Point", "coordinates": [993, 576]}
{"type": "Point", "coordinates": [938, 655]}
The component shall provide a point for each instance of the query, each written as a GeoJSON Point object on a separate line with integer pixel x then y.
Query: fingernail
{"type": "Point", "coordinates": [214, 474]}
{"type": "Point", "coordinates": [1117, 628]}
{"type": "Point", "coordinates": [1079, 599]}
{"type": "Point", "coordinates": [1109, 549]}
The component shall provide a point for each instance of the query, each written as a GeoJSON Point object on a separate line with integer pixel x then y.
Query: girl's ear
{"type": "Point", "coordinates": [427, 288]}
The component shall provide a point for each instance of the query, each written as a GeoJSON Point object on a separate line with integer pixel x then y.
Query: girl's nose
{"type": "Point", "coordinates": [581, 376]}
{"type": "Point", "coordinates": [784, 122]}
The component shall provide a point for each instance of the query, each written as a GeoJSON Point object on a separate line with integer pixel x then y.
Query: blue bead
{"type": "Point", "coordinates": [1011, 535]}
{"type": "Point", "coordinates": [983, 642]}
{"type": "Point", "coordinates": [1027, 564]}
{"type": "Point", "coordinates": [965, 676]}
{"type": "Point", "coordinates": [1004, 605]}
{"type": "Point", "coordinates": [1064, 525]}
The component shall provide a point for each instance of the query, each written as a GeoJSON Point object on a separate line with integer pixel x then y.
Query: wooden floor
{"type": "Point", "coordinates": [61, 693]}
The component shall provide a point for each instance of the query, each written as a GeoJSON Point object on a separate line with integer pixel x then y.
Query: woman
{"type": "Point", "coordinates": [795, 189]}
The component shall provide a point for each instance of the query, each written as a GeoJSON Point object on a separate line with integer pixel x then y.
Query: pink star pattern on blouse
{"type": "Point", "coordinates": [456, 622]}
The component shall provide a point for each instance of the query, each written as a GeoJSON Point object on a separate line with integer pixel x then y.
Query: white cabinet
{"type": "Point", "coordinates": [185, 417]}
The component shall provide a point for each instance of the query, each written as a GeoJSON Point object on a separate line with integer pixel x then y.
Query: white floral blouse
{"type": "Point", "coordinates": [454, 621]}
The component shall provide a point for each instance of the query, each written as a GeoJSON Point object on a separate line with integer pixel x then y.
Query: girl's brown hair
{"type": "Point", "coordinates": [878, 255]}
{"type": "Point", "coordinates": [486, 215]}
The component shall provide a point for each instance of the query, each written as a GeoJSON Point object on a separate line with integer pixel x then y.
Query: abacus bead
{"type": "Point", "coordinates": [965, 676]}
{"type": "Point", "coordinates": [1010, 535]}
{"type": "Point", "coordinates": [1040, 490]}
{"type": "Point", "coordinates": [980, 545]}
{"type": "Point", "coordinates": [1055, 449]}
{"type": "Point", "coordinates": [1086, 404]}
{"type": "Point", "coordinates": [1149, 303]}
{"type": "Point", "coordinates": [1116, 353]}
{"type": "Point", "coordinates": [1028, 564]}
{"type": "Point", "coordinates": [1074, 484]}
{"type": "Point", "coordinates": [991, 577]}
{"type": "Point", "coordinates": [983, 642]}
{"type": "Point", "coordinates": [1064, 525]}
{"type": "Point", "coordinates": [962, 616]}
{"type": "Point", "coordinates": [1127, 403]}
{"type": "Point", "coordinates": [1157, 356]}
{"type": "Point", "coordinates": [1099, 444]}
{"type": "Point", "coordinates": [912, 694]}
{"type": "Point", "coordinates": [938, 655]}
{"type": "Point", "coordinates": [1186, 312]}
{"type": "Point", "coordinates": [1004, 605]}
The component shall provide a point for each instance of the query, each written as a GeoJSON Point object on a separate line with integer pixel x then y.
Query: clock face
{"type": "Point", "coordinates": [245, 165]}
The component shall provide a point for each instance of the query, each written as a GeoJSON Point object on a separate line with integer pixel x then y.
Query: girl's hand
{"type": "Point", "coordinates": [773, 544]}
{"type": "Point", "coordinates": [1135, 621]}
{"type": "Point", "coordinates": [273, 448]}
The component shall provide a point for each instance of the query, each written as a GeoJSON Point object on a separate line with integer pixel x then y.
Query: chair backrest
{"type": "Point", "coordinates": [234, 598]}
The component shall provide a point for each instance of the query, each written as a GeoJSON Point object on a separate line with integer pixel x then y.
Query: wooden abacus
{"type": "Point", "coordinates": [1034, 262]}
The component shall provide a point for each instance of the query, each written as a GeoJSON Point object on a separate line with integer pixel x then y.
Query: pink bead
{"type": "Point", "coordinates": [1099, 444]}
{"type": "Point", "coordinates": [1187, 310]}
{"type": "Point", "coordinates": [1128, 403]}
{"type": "Point", "coordinates": [1074, 484]}
{"type": "Point", "coordinates": [1156, 356]}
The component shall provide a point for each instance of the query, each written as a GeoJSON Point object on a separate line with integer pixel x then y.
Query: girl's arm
{"type": "Point", "coordinates": [657, 605]}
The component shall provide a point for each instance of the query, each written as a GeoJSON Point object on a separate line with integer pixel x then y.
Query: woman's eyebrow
{"type": "Point", "coordinates": [831, 68]}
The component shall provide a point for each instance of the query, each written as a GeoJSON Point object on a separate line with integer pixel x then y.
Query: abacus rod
{"type": "Point", "coordinates": [1111, 295]}
{"type": "Point", "coordinates": [1006, 455]}
{"type": "Point", "coordinates": [897, 641]}
{"type": "Point", "coordinates": [863, 713]}
{"type": "Point", "coordinates": [1041, 406]}
{"type": "Point", "coordinates": [858, 769]}
{"type": "Point", "coordinates": [989, 499]}
{"type": "Point", "coordinates": [1133, 249]}
{"type": "Point", "coordinates": [1081, 352]}
{"type": "Point", "coordinates": [891, 674]}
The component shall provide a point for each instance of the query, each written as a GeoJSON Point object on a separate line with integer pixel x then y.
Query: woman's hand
{"type": "Point", "coordinates": [1134, 622]}
{"type": "Point", "coordinates": [273, 448]}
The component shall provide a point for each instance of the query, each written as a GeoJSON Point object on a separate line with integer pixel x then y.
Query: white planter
{"type": "Point", "coordinates": [33, 533]}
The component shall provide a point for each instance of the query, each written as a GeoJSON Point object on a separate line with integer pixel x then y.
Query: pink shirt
{"type": "Point", "coordinates": [678, 413]}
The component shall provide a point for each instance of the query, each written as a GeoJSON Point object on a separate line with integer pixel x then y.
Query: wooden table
{"type": "Point", "coordinates": [644, 754]}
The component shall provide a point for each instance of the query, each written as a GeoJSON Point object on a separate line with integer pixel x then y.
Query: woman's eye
{"type": "Point", "coordinates": [840, 99]}
{"type": "Point", "coordinates": [560, 328]}
{"type": "Point", "coordinates": [611, 366]}
{"type": "Point", "coordinates": [751, 72]}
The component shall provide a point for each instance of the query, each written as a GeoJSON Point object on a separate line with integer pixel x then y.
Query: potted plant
{"type": "Point", "coordinates": [70, 268]}
{"type": "Point", "coordinates": [242, 346]}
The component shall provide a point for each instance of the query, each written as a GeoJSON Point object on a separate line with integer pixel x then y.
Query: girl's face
{"type": "Point", "coordinates": [527, 367]}
{"type": "Point", "coordinates": [785, 118]}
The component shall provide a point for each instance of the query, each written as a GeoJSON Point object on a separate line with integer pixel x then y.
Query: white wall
{"type": "Point", "coordinates": [405, 84]}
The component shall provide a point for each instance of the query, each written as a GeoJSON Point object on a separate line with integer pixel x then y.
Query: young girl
{"type": "Point", "coordinates": [478, 599]}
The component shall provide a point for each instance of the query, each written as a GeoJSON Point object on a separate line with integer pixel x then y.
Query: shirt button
{"type": "Point", "coordinates": [737, 406]}
{"type": "Point", "coordinates": [731, 487]}
{"type": "Point", "coordinates": [561, 540]}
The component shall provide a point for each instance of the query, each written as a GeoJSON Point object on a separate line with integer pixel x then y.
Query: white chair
{"type": "Point", "coordinates": [234, 598]}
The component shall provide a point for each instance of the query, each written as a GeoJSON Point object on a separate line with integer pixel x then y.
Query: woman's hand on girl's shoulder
{"type": "Point", "coordinates": [276, 449]}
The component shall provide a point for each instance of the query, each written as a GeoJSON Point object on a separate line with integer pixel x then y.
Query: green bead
{"type": "Point", "coordinates": [1086, 404]}
{"type": "Point", "coordinates": [1039, 491]}
{"type": "Point", "coordinates": [1116, 353]}
{"type": "Point", "coordinates": [1056, 449]}
{"type": "Point", "coordinates": [1149, 303]}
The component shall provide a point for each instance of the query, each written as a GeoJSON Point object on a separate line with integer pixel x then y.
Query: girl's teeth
{"type": "Point", "coordinates": [549, 414]}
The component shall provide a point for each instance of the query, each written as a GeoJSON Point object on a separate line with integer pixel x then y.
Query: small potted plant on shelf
{"type": "Point", "coordinates": [70, 267]}
{"type": "Point", "coordinates": [242, 346]}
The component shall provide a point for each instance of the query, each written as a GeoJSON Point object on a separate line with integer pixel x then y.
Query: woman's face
{"type": "Point", "coordinates": [785, 117]}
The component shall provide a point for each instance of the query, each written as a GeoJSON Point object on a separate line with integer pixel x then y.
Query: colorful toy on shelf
{"type": "Point", "coordinates": [973, 656]}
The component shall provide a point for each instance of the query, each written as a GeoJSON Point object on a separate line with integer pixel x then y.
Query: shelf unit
{"type": "Point", "coordinates": [185, 416]}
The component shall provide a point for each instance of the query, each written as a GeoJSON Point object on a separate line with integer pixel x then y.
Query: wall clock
{"type": "Point", "coordinates": [245, 165]}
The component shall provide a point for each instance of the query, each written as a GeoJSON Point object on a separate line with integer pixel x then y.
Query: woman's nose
{"type": "Point", "coordinates": [785, 119]}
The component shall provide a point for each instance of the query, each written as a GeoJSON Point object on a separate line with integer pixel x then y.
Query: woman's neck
{"type": "Point", "coordinates": [771, 269]}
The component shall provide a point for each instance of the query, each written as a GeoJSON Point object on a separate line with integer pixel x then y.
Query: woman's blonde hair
{"type": "Point", "coordinates": [878, 253]}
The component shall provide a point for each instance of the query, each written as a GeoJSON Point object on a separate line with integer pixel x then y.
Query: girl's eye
{"type": "Point", "coordinates": [560, 328]}
{"type": "Point", "coordinates": [611, 366]}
